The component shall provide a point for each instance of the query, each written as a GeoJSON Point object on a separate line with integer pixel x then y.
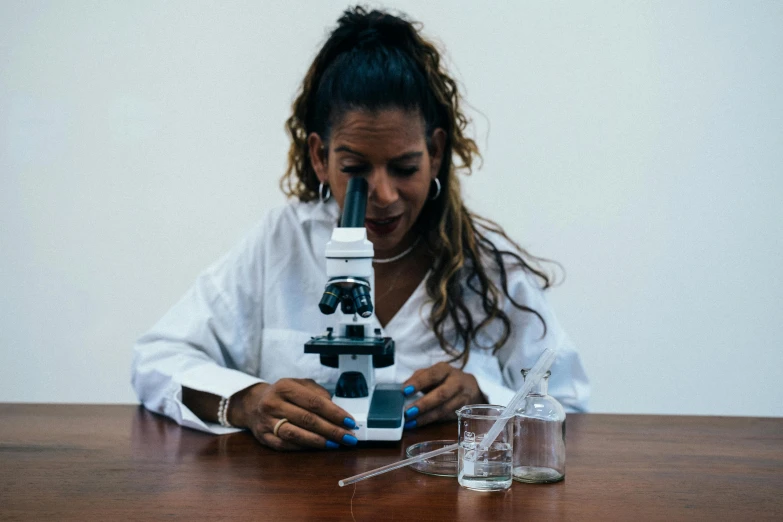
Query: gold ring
{"type": "Point", "coordinates": [277, 426]}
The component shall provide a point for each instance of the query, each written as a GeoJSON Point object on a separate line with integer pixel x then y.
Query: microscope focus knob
{"type": "Point", "coordinates": [351, 385]}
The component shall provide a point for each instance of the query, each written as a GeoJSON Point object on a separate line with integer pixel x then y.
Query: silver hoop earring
{"type": "Point", "coordinates": [437, 189]}
{"type": "Point", "coordinates": [324, 192]}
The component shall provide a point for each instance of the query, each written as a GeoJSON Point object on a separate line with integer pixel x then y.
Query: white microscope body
{"type": "Point", "coordinates": [355, 347]}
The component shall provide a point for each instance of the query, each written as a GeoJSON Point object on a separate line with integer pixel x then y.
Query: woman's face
{"type": "Point", "coordinates": [389, 149]}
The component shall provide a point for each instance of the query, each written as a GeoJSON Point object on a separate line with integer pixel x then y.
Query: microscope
{"type": "Point", "coordinates": [356, 348]}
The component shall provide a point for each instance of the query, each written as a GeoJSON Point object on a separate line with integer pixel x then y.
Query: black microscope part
{"type": "Point", "coordinates": [330, 299]}
{"type": "Point", "coordinates": [355, 204]}
{"type": "Point", "coordinates": [347, 305]}
{"type": "Point", "coordinates": [361, 299]}
{"type": "Point", "coordinates": [354, 331]}
{"type": "Point", "coordinates": [351, 385]}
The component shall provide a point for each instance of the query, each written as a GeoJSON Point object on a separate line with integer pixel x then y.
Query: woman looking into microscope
{"type": "Point", "coordinates": [462, 301]}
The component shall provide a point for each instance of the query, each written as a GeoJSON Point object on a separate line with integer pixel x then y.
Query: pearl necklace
{"type": "Point", "coordinates": [398, 256]}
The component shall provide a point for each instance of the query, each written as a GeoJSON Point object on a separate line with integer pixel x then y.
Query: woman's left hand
{"type": "Point", "coordinates": [445, 388]}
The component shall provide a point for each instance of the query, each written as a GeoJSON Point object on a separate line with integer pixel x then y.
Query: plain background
{"type": "Point", "coordinates": [638, 143]}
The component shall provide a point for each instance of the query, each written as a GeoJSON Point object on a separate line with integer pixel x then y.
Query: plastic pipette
{"type": "Point", "coordinates": [535, 374]}
{"type": "Point", "coordinates": [396, 465]}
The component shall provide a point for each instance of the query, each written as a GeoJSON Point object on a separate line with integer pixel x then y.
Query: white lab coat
{"type": "Point", "coordinates": [247, 317]}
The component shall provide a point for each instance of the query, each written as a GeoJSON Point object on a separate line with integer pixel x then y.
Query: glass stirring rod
{"type": "Point", "coordinates": [396, 465]}
{"type": "Point", "coordinates": [535, 374]}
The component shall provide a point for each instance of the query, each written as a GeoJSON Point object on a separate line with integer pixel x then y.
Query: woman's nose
{"type": "Point", "coordinates": [382, 190]}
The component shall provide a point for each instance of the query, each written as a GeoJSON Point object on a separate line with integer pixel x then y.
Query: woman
{"type": "Point", "coordinates": [461, 300]}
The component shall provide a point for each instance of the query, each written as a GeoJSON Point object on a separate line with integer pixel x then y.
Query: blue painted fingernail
{"type": "Point", "coordinates": [332, 445]}
{"type": "Point", "coordinates": [410, 425]}
{"type": "Point", "coordinates": [350, 440]}
{"type": "Point", "coordinates": [349, 423]}
{"type": "Point", "coordinates": [408, 390]}
{"type": "Point", "coordinates": [412, 412]}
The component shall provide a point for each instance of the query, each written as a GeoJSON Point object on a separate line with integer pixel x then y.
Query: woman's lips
{"type": "Point", "coordinates": [383, 227]}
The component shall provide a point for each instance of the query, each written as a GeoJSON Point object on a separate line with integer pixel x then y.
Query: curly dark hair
{"type": "Point", "coordinates": [375, 60]}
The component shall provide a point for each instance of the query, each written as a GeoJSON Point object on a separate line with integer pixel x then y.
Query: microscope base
{"type": "Point", "coordinates": [379, 419]}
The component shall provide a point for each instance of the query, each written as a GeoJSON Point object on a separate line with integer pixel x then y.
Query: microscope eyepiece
{"type": "Point", "coordinates": [330, 299]}
{"type": "Point", "coordinates": [355, 203]}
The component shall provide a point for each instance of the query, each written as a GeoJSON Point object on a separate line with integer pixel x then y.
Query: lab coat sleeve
{"type": "Point", "coordinates": [205, 342]}
{"type": "Point", "coordinates": [486, 370]}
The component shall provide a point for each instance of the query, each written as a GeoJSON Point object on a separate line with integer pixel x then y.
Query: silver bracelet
{"type": "Point", "coordinates": [223, 412]}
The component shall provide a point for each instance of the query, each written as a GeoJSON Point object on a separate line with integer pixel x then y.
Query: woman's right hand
{"type": "Point", "coordinates": [313, 420]}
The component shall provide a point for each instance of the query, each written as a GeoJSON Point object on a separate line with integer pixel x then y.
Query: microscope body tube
{"type": "Point", "coordinates": [355, 204]}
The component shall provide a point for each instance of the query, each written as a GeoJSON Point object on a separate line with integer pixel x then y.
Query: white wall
{"type": "Point", "coordinates": [639, 145]}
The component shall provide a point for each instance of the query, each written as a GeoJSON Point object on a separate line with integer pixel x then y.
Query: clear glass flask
{"type": "Point", "coordinates": [539, 437]}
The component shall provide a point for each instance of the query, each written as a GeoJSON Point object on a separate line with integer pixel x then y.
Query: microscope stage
{"type": "Point", "coordinates": [333, 345]}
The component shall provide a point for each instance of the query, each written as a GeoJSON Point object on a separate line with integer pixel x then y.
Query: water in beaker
{"type": "Point", "coordinates": [483, 469]}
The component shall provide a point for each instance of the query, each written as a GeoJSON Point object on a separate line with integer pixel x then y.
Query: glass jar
{"type": "Point", "coordinates": [539, 437]}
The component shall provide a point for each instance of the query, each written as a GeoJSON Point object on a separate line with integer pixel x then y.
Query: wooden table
{"type": "Point", "coordinates": [123, 463]}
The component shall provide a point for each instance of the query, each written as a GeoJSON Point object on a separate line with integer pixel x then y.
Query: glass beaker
{"type": "Point", "coordinates": [477, 469]}
{"type": "Point", "coordinates": [539, 437]}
